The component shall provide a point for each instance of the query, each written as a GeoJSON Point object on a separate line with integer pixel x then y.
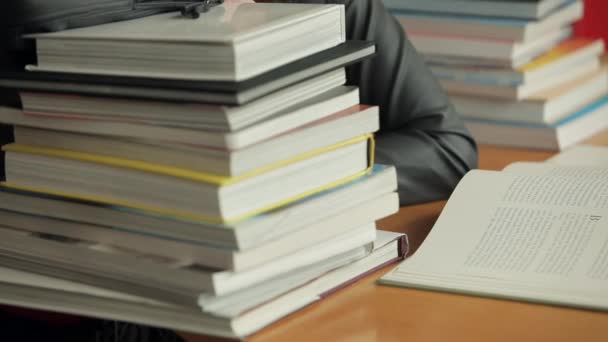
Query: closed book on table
{"type": "Point", "coordinates": [180, 90]}
{"type": "Point", "coordinates": [170, 280]}
{"type": "Point", "coordinates": [490, 27]}
{"type": "Point", "coordinates": [284, 242]}
{"type": "Point", "coordinates": [272, 146]}
{"type": "Point", "coordinates": [565, 132]}
{"type": "Point", "coordinates": [192, 194]}
{"type": "Point", "coordinates": [32, 290]}
{"type": "Point", "coordinates": [112, 224]}
{"type": "Point", "coordinates": [565, 55]}
{"type": "Point", "coordinates": [544, 107]}
{"type": "Point", "coordinates": [522, 90]}
{"type": "Point", "coordinates": [235, 41]}
{"type": "Point", "coordinates": [335, 104]}
{"type": "Point", "coordinates": [317, 91]}
{"type": "Point", "coordinates": [492, 8]}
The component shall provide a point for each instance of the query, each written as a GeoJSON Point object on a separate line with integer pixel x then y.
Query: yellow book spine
{"type": "Point", "coordinates": [205, 218]}
{"type": "Point", "coordinates": [174, 171]}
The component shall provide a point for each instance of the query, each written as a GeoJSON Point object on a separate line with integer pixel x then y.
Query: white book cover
{"type": "Point", "coordinates": [228, 24]}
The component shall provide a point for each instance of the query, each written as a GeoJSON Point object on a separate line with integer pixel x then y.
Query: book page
{"type": "Point", "coordinates": [582, 155]}
{"type": "Point", "coordinates": [520, 228]}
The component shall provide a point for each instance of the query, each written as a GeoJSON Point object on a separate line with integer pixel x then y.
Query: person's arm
{"type": "Point", "coordinates": [420, 133]}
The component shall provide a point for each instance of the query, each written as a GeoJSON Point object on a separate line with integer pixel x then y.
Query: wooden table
{"type": "Point", "coordinates": [369, 312]}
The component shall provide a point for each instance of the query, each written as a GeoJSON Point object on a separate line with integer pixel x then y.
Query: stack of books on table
{"type": "Point", "coordinates": [134, 193]}
{"type": "Point", "coordinates": [513, 70]}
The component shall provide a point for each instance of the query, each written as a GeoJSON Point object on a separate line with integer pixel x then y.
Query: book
{"type": "Point", "coordinates": [500, 52]}
{"type": "Point", "coordinates": [535, 232]}
{"type": "Point", "coordinates": [72, 216]}
{"type": "Point", "coordinates": [168, 280]}
{"type": "Point", "coordinates": [582, 155]}
{"type": "Point", "coordinates": [205, 139]}
{"type": "Point", "coordinates": [489, 27]}
{"type": "Point", "coordinates": [219, 92]}
{"type": "Point", "coordinates": [522, 90]}
{"type": "Point", "coordinates": [558, 135]}
{"type": "Point", "coordinates": [33, 290]}
{"type": "Point", "coordinates": [207, 254]}
{"type": "Point", "coordinates": [325, 91]}
{"type": "Point", "coordinates": [387, 248]}
{"type": "Point", "coordinates": [563, 56]}
{"type": "Point", "coordinates": [543, 107]}
{"type": "Point", "coordinates": [344, 125]}
{"type": "Point", "coordinates": [235, 41]}
{"type": "Point", "coordinates": [193, 194]}
{"type": "Point", "coordinates": [491, 8]}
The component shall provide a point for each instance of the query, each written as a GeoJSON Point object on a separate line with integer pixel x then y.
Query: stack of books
{"type": "Point", "coordinates": [207, 175]}
{"type": "Point", "coordinates": [513, 70]}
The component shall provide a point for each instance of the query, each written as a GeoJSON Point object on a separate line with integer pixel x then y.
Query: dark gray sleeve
{"type": "Point", "coordinates": [420, 133]}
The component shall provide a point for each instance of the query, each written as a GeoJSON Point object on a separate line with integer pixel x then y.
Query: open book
{"type": "Point", "coordinates": [535, 231]}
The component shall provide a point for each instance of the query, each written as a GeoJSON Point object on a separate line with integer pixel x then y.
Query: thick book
{"type": "Point", "coordinates": [193, 194]}
{"type": "Point", "coordinates": [532, 9]}
{"type": "Point", "coordinates": [170, 280]}
{"type": "Point", "coordinates": [220, 92]}
{"type": "Point", "coordinates": [32, 210]}
{"type": "Point", "coordinates": [563, 56]}
{"type": "Point", "coordinates": [544, 107]}
{"type": "Point", "coordinates": [224, 153]}
{"type": "Point", "coordinates": [490, 27]}
{"type": "Point", "coordinates": [556, 136]}
{"type": "Point", "coordinates": [233, 42]}
{"type": "Point", "coordinates": [331, 104]}
{"type": "Point", "coordinates": [535, 232]}
{"type": "Point", "coordinates": [525, 90]}
{"type": "Point", "coordinates": [207, 254]}
{"type": "Point", "coordinates": [495, 51]}
{"type": "Point", "coordinates": [33, 290]}
{"type": "Point", "coordinates": [324, 93]}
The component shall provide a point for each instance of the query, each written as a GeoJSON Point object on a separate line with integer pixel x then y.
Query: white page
{"type": "Point", "coordinates": [519, 228]}
{"type": "Point", "coordinates": [582, 155]}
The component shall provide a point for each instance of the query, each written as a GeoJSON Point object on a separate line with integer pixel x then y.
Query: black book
{"type": "Point", "coordinates": [222, 92]}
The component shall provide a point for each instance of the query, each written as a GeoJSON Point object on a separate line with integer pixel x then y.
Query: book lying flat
{"type": "Point", "coordinates": [260, 144]}
{"type": "Point", "coordinates": [558, 135]}
{"type": "Point", "coordinates": [319, 90]}
{"type": "Point", "coordinates": [77, 215]}
{"type": "Point", "coordinates": [233, 42]}
{"type": "Point", "coordinates": [387, 248]}
{"type": "Point", "coordinates": [182, 192]}
{"type": "Point", "coordinates": [563, 56]}
{"type": "Point", "coordinates": [491, 8]}
{"type": "Point", "coordinates": [221, 92]}
{"type": "Point", "coordinates": [498, 51]}
{"type": "Point", "coordinates": [536, 232]}
{"type": "Point", "coordinates": [32, 290]}
{"type": "Point", "coordinates": [333, 103]}
{"type": "Point", "coordinates": [544, 107]}
{"type": "Point", "coordinates": [490, 27]}
{"type": "Point", "coordinates": [521, 91]}
{"type": "Point", "coordinates": [169, 280]}
{"type": "Point", "coordinates": [206, 254]}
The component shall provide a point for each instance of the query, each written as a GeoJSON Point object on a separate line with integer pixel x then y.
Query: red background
{"type": "Point", "coordinates": [595, 20]}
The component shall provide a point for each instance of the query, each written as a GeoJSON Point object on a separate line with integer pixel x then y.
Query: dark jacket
{"type": "Point", "coordinates": [420, 133]}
